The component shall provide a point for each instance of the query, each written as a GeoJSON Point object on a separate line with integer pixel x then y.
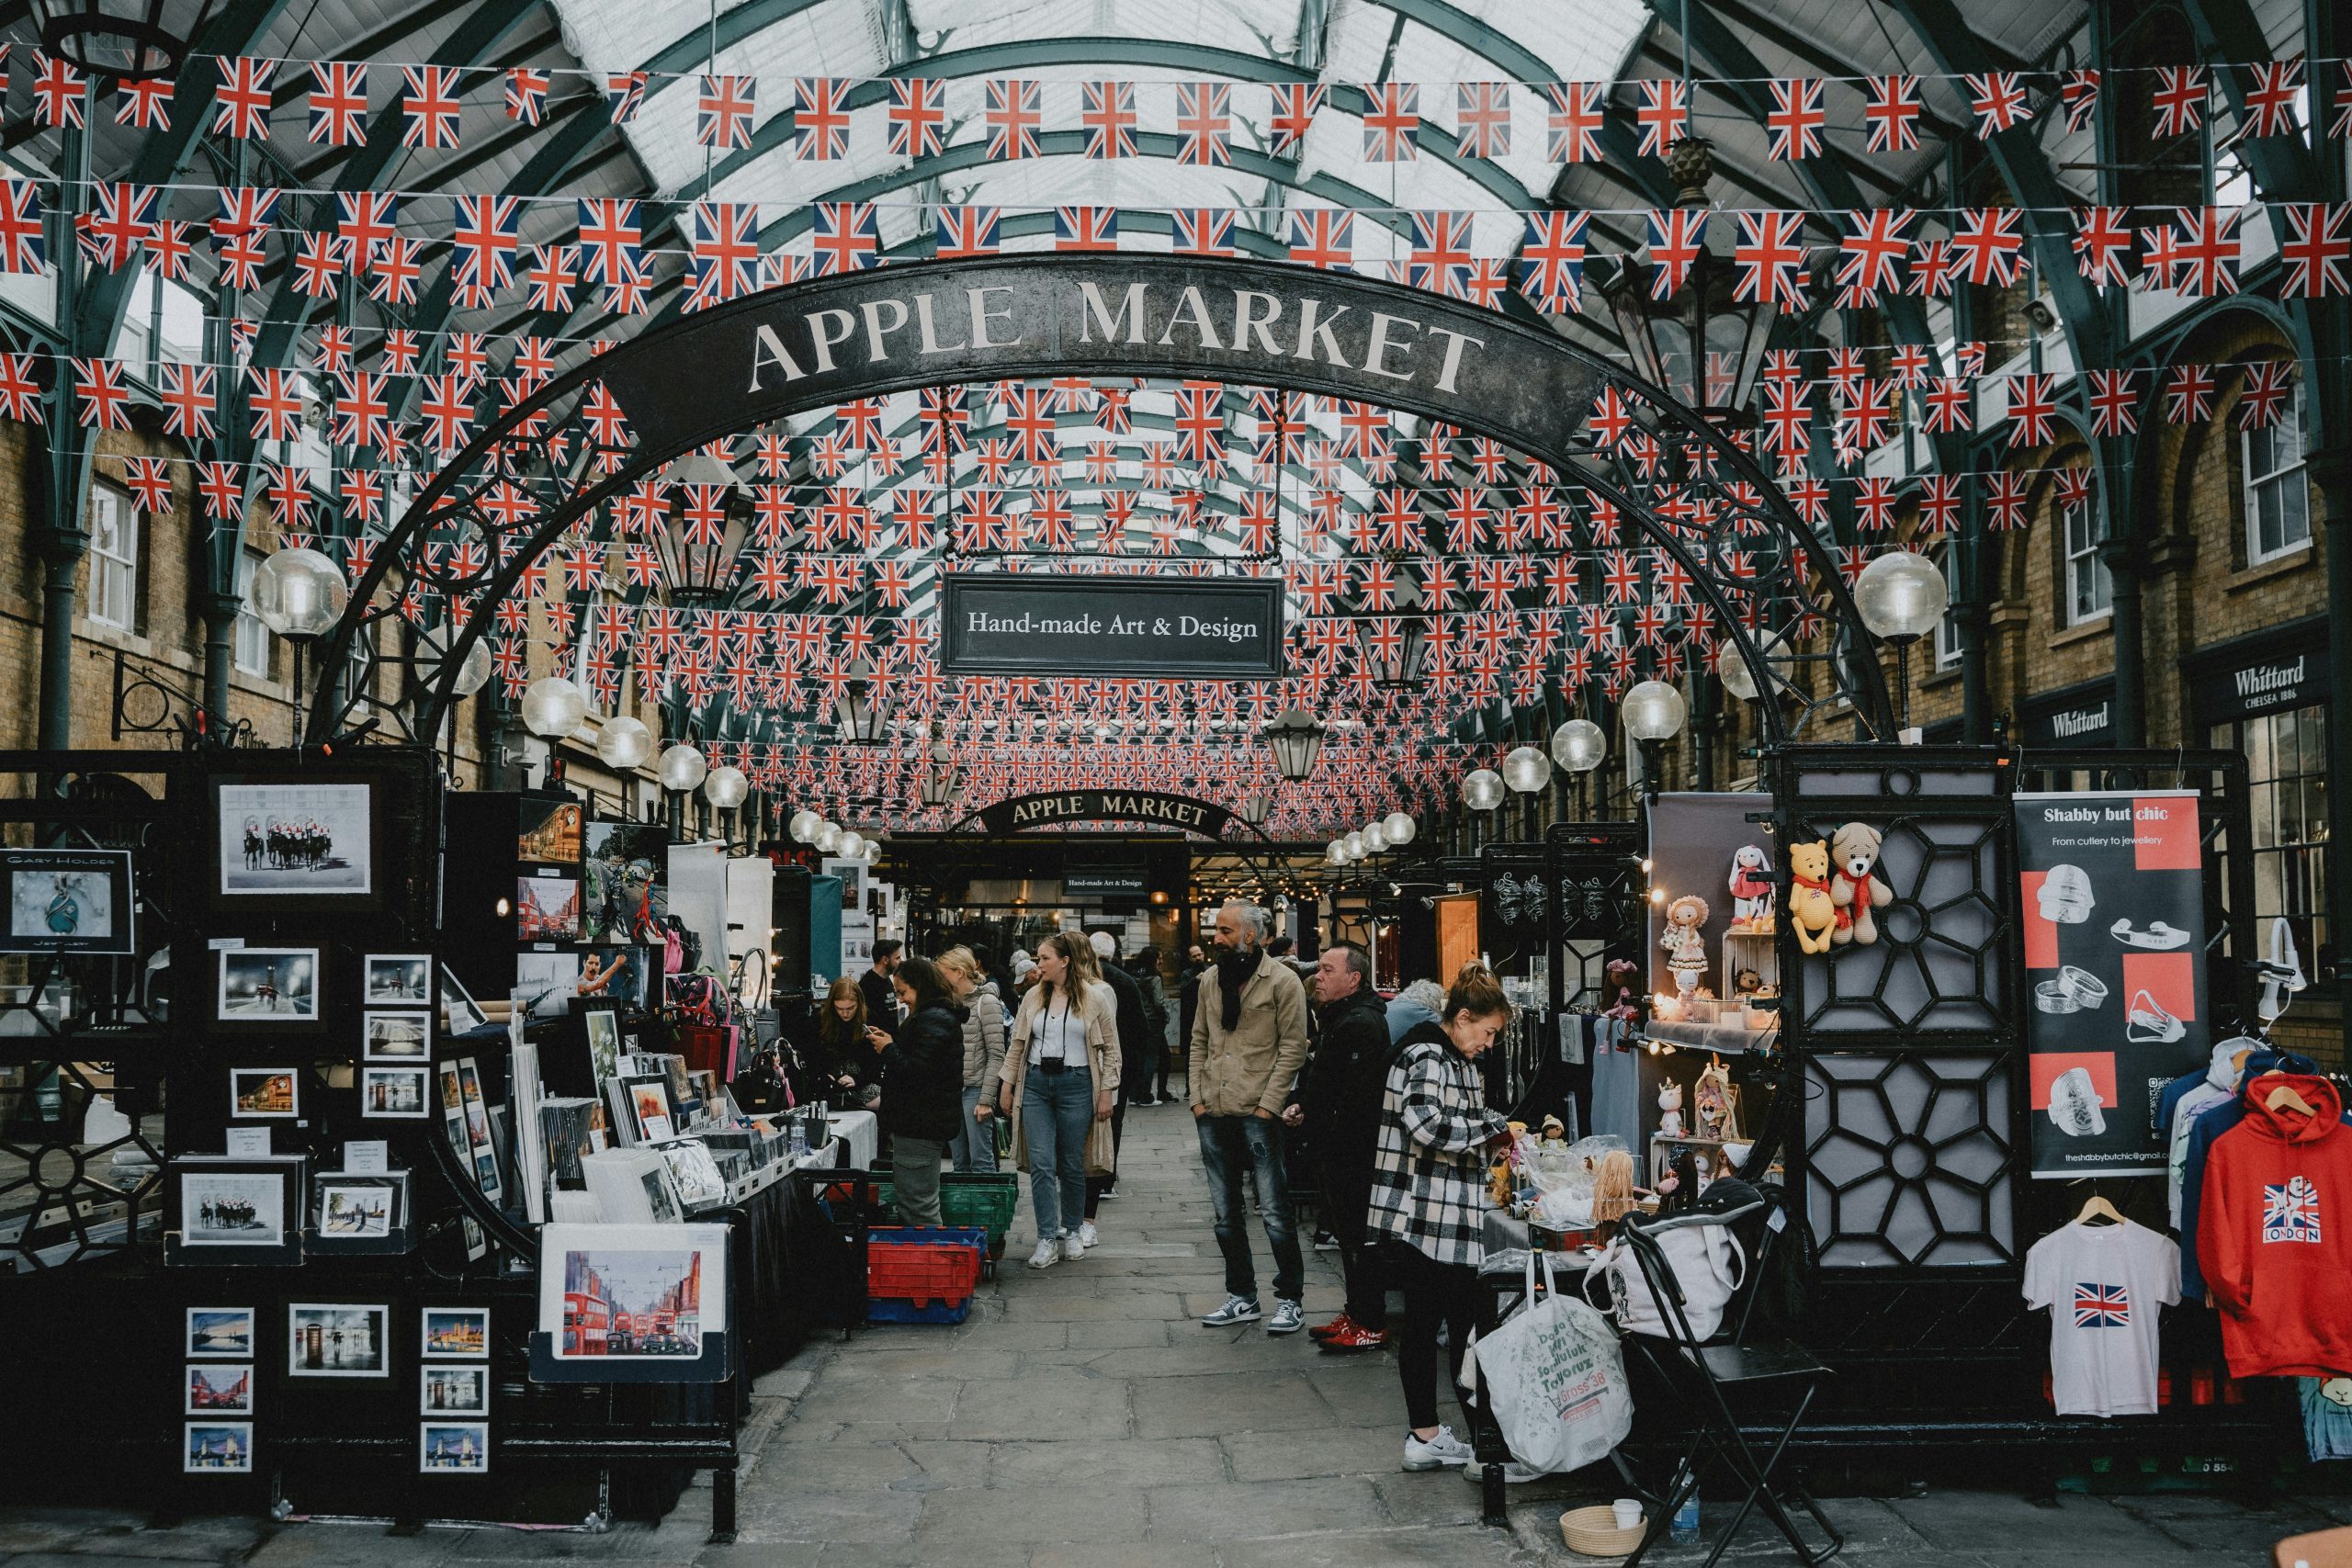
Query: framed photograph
{"type": "Point", "coordinates": [694, 1172]}
{"type": "Point", "coordinates": [218, 1448]}
{"type": "Point", "coordinates": [546, 908]}
{"type": "Point", "coordinates": [328, 1340]}
{"type": "Point", "coordinates": [397, 979]}
{"type": "Point", "coordinates": [268, 987]}
{"type": "Point", "coordinates": [455, 1333]}
{"type": "Point", "coordinates": [624, 881]}
{"type": "Point", "coordinates": [622, 1300]}
{"type": "Point", "coordinates": [545, 983]}
{"type": "Point", "coordinates": [549, 830]}
{"type": "Point", "coordinates": [223, 1333]}
{"type": "Point", "coordinates": [394, 1093]}
{"type": "Point", "coordinates": [300, 840]}
{"type": "Point", "coordinates": [603, 1027]}
{"type": "Point", "coordinates": [67, 901]}
{"type": "Point", "coordinates": [398, 1036]}
{"type": "Point", "coordinates": [232, 1205]}
{"type": "Point", "coordinates": [649, 1106]}
{"type": "Point", "coordinates": [452, 1447]}
{"type": "Point", "coordinates": [356, 1208]}
{"type": "Point", "coordinates": [453, 1391]}
{"type": "Point", "coordinates": [220, 1388]}
{"type": "Point", "coordinates": [274, 1092]}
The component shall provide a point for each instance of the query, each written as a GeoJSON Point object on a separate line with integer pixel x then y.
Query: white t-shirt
{"type": "Point", "coordinates": [2103, 1285]}
{"type": "Point", "coordinates": [1057, 1033]}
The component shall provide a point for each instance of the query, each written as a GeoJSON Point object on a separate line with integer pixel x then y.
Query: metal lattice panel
{"type": "Point", "coordinates": [1908, 1160]}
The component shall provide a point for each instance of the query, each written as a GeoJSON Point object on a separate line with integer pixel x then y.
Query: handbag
{"type": "Point", "coordinates": [1555, 1380]}
{"type": "Point", "coordinates": [1707, 1264]}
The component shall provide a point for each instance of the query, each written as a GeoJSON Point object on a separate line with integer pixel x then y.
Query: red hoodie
{"type": "Point", "coordinates": [2275, 1233]}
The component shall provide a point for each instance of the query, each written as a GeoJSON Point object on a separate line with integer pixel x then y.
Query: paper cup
{"type": "Point", "coordinates": [1628, 1511]}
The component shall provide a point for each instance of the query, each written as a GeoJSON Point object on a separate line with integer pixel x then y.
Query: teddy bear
{"type": "Point", "coordinates": [1810, 910]}
{"type": "Point", "coordinates": [1751, 889]}
{"type": "Point", "coordinates": [1854, 886]}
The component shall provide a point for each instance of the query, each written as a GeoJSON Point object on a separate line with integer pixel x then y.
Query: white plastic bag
{"type": "Point", "coordinates": [1555, 1380]}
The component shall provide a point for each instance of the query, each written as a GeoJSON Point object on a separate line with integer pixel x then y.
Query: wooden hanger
{"type": "Point", "coordinates": [2098, 1208]}
{"type": "Point", "coordinates": [2285, 1095]}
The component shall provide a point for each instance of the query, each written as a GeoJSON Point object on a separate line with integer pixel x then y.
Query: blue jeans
{"type": "Point", "coordinates": [975, 1145]}
{"type": "Point", "coordinates": [1056, 1108]}
{"type": "Point", "coordinates": [1227, 1144]}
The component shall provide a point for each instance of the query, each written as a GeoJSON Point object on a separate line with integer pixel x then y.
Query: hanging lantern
{"type": "Point", "coordinates": [939, 782]}
{"type": "Point", "coordinates": [699, 541]}
{"type": "Point", "coordinates": [136, 40]}
{"type": "Point", "coordinates": [863, 707]}
{"type": "Point", "coordinates": [1256, 807]}
{"type": "Point", "coordinates": [1296, 740]}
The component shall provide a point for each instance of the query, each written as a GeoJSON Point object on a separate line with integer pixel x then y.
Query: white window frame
{"type": "Point", "coordinates": [113, 572]}
{"type": "Point", "coordinates": [253, 647]}
{"type": "Point", "coordinates": [2084, 558]}
{"type": "Point", "coordinates": [2280, 479]}
{"type": "Point", "coordinates": [1948, 627]}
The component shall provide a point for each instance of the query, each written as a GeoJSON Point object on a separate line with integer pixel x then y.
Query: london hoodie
{"type": "Point", "coordinates": [2272, 1236]}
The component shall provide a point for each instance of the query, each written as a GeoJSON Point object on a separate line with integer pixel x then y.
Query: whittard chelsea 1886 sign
{"type": "Point", "coordinates": [1208, 628]}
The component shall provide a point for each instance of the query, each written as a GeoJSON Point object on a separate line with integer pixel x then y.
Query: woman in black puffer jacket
{"type": "Point", "coordinates": [923, 1092]}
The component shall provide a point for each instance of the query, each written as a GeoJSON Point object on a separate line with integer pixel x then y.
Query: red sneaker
{"type": "Point", "coordinates": [1337, 1326]}
{"type": "Point", "coordinates": [1355, 1338]}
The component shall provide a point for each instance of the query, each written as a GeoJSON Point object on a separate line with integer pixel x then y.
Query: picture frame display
{"type": "Point", "coordinates": [397, 979]}
{"type": "Point", "coordinates": [624, 883]}
{"type": "Point", "coordinates": [546, 908]}
{"type": "Point", "coordinates": [217, 1448]}
{"type": "Point", "coordinates": [452, 1447]}
{"type": "Point", "coordinates": [356, 1208]}
{"type": "Point", "coordinates": [68, 901]}
{"type": "Point", "coordinates": [454, 1334]}
{"type": "Point", "coordinates": [221, 1332]}
{"type": "Point", "coordinates": [338, 1340]}
{"type": "Point", "coordinates": [395, 1093]}
{"type": "Point", "coordinates": [268, 987]}
{"type": "Point", "coordinates": [219, 1388]}
{"type": "Point", "coordinates": [235, 1204]}
{"type": "Point", "coordinates": [399, 1035]}
{"type": "Point", "coordinates": [302, 839]}
{"type": "Point", "coordinates": [264, 1093]}
{"type": "Point", "coordinates": [651, 1295]}
{"type": "Point", "coordinates": [548, 830]}
{"type": "Point", "coordinates": [446, 1388]}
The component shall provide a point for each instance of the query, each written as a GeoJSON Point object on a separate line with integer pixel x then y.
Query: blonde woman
{"type": "Point", "coordinates": [1059, 1082]}
{"type": "Point", "coordinates": [974, 1146]}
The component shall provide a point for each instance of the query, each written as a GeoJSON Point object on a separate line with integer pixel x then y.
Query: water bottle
{"type": "Point", "coordinates": [799, 1137]}
{"type": "Point", "coordinates": [1683, 1529]}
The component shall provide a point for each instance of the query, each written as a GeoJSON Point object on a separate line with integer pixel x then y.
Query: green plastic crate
{"type": "Point", "coordinates": [979, 1200]}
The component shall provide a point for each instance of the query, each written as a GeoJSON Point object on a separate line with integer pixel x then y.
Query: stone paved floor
{"type": "Point", "coordinates": [1082, 1419]}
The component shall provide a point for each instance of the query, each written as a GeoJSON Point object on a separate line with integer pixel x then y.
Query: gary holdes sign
{"type": "Point", "coordinates": [999, 623]}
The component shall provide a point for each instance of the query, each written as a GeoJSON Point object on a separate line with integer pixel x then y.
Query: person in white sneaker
{"type": "Point", "coordinates": [1428, 1195]}
{"type": "Point", "coordinates": [1058, 1083]}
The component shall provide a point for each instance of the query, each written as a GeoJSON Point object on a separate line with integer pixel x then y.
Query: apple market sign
{"type": "Point", "coordinates": [1064, 808]}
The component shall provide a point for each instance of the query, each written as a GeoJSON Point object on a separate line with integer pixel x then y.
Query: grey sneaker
{"type": "Point", "coordinates": [1289, 1317]}
{"type": "Point", "coordinates": [1236, 1309]}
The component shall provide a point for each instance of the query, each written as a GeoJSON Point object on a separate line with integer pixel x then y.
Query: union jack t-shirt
{"type": "Point", "coordinates": [2103, 1285]}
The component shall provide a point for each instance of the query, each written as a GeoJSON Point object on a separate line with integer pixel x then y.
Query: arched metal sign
{"type": "Point", "coordinates": [500, 503]}
{"type": "Point", "coordinates": [1059, 808]}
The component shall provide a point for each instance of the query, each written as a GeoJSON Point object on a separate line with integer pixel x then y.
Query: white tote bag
{"type": "Point", "coordinates": [1706, 1262]}
{"type": "Point", "coordinates": [1555, 1380]}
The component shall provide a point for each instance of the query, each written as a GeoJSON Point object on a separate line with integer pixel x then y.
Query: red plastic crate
{"type": "Point", "coordinates": [923, 1264]}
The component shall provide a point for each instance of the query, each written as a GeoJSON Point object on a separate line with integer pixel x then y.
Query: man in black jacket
{"type": "Point", "coordinates": [1340, 1103]}
{"type": "Point", "coordinates": [1132, 1045]}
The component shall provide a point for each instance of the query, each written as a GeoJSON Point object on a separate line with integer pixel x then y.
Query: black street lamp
{"type": "Point", "coordinates": [1296, 740]}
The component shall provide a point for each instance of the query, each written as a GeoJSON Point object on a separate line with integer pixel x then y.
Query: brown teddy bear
{"type": "Point", "coordinates": [1855, 886]}
{"type": "Point", "coordinates": [1811, 910]}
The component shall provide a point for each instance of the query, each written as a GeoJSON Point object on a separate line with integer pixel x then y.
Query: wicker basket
{"type": "Point", "coordinates": [1593, 1532]}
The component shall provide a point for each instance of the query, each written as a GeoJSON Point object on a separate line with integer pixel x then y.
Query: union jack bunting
{"type": "Point", "coordinates": [146, 105]}
{"type": "Point", "coordinates": [723, 243]}
{"type": "Point", "coordinates": [2178, 98]}
{"type": "Point", "coordinates": [526, 94]}
{"type": "Point", "coordinates": [1572, 123]}
{"type": "Point", "coordinates": [246, 209]}
{"type": "Point", "coordinates": [820, 118]}
{"type": "Point", "coordinates": [1205, 123]}
{"type": "Point", "coordinates": [1873, 245]}
{"type": "Point", "coordinates": [222, 486]}
{"type": "Point", "coordinates": [276, 401]}
{"type": "Point", "coordinates": [1085, 228]}
{"type": "Point", "coordinates": [2033, 410]}
{"type": "Point", "coordinates": [20, 392]}
{"type": "Point", "coordinates": [611, 247]}
{"type": "Point", "coordinates": [1392, 122]}
{"type": "Point", "coordinates": [2005, 496]}
{"type": "Point", "coordinates": [723, 108]}
{"type": "Point", "coordinates": [2206, 250]}
{"type": "Point", "coordinates": [1551, 259]}
{"type": "Point", "coordinates": [1794, 124]}
{"type": "Point", "coordinates": [2115, 402]}
{"type": "Point", "coordinates": [1892, 112]}
{"type": "Point", "coordinates": [918, 116]}
{"type": "Point", "coordinates": [1675, 235]}
{"type": "Point", "coordinates": [1768, 259]}
{"type": "Point", "coordinates": [2339, 119]}
{"type": "Point", "coordinates": [2103, 245]}
{"type": "Point", "coordinates": [624, 96]}
{"type": "Point", "coordinates": [553, 277]}
{"type": "Point", "coordinates": [1950, 405]}
{"type": "Point", "coordinates": [967, 231]}
{"type": "Point", "coordinates": [2078, 92]}
{"type": "Point", "coordinates": [2262, 401]}
{"type": "Point", "coordinates": [430, 108]}
{"type": "Point", "coordinates": [397, 271]}
{"type": "Point", "coordinates": [1482, 119]}
{"type": "Point", "coordinates": [1012, 115]}
{"type": "Point", "coordinates": [1323, 237]}
{"type": "Point", "coordinates": [186, 395]}
{"type": "Point", "coordinates": [338, 103]}
{"type": "Point", "coordinates": [847, 237]}
{"type": "Point", "coordinates": [365, 219]}
{"type": "Point", "coordinates": [60, 93]}
{"type": "Point", "coordinates": [1296, 105]}
{"type": "Point", "coordinates": [103, 394]}
{"type": "Point", "coordinates": [2270, 96]}
{"type": "Point", "coordinates": [149, 480]}
{"type": "Point", "coordinates": [1998, 100]}
{"type": "Point", "coordinates": [2316, 246]}
{"type": "Point", "coordinates": [1439, 259]}
{"type": "Point", "coordinates": [1664, 114]}
{"type": "Point", "coordinates": [1201, 230]}
{"type": "Point", "coordinates": [362, 415]}
{"type": "Point", "coordinates": [1107, 114]}
{"type": "Point", "coordinates": [486, 237]}
{"type": "Point", "coordinates": [1987, 245]}
{"type": "Point", "coordinates": [1939, 498]}
{"type": "Point", "coordinates": [240, 103]}
{"type": "Point", "coordinates": [118, 222]}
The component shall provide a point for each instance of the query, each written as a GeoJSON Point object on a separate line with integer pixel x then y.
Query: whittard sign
{"type": "Point", "coordinates": [1001, 623]}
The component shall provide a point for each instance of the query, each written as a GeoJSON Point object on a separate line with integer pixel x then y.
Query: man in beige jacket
{"type": "Point", "coordinates": [1249, 1043]}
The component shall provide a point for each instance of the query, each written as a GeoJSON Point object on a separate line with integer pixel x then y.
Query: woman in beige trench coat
{"type": "Point", "coordinates": [1060, 1080]}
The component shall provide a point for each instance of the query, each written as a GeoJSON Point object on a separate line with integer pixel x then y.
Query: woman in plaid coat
{"type": "Point", "coordinates": [1428, 1195]}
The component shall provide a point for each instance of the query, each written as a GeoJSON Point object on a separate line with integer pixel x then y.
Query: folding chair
{"type": "Point", "coordinates": [1712, 1379]}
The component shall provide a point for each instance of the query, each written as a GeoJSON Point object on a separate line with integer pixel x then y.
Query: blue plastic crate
{"type": "Point", "coordinates": [887, 1309]}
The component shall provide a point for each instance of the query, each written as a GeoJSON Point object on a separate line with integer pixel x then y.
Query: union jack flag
{"type": "Point", "coordinates": [724, 241]}
{"type": "Point", "coordinates": [2033, 408]}
{"type": "Point", "coordinates": [2206, 250]}
{"type": "Point", "coordinates": [820, 118]}
{"type": "Point", "coordinates": [2291, 1210]}
{"type": "Point", "coordinates": [2115, 402]}
{"type": "Point", "coordinates": [1323, 237]}
{"type": "Point", "coordinates": [1793, 125]}
{"type": "Point", "coordinates": [1012, 116]}
{"type": "Point", "coordinates": [2180, 99]}
{"type": "Point", "coordinates": [2263, 399]}
{"type": "Point", "coordinates": [1203, 230]}
{"type": "Point", "coordinates": [397, 271]}
{"type": "Point", "coordinates": [59, 92]}
{"type": "Point", "coordinates": [1675, 236]}
{"type": "Point", "coordinates": [119, 221]}
{"type": "Point", "coordinates": [847, 237]}
{"type": "Point", "coordinates": [365, 219]}
{"type": "Point", "coordinates": [1998, 100]}
{"type": "Point", "coordinates": [611, 246]}
{"type": "Point", "coordinates": [2270, 99]}
{"type": "Point", "coordinates": [20, 392]}
{"type": "Point", "coordinates": [1296, 105]}
{"type": "Point", "coordinates": [1889, 111]}
{"type": "Point", "coordinates": [1769, 259]}
{"type": "Point", "coordinates": [1664, 114]}
{"type": "Point", "coordinates": [1085, 228]}
{"type": "Point", "coordinates": [553, 277]}
{"type": "Point", "coordinates": [1107, 112]}
{"type": "Point", "coordinates": [624, 96]}
{"type": "Point", "coordinates": [1572, 125]}
{"type": "Point", "coordinates": [186, 395]}
{"type": "Point", "coordinates": [146, 105]}
{"type": "Point", "coordinates": [104, 395]}
{"type": "Point", "coordinates": [1392, 122]}
{"type": "Point", "coordinates": [2078, 92]}
{"type": "Point", "coordinates": [1551, 259]}
{"type": "Point", "coordinates": [1203, 125]}
{"type": "Point", "coordinates": [2103, 245]}
{"type": "Point", "coordinates": [1989, 246]}
{"type": "Point", "coordinates": [429, 107]}
{"type": "Point", "coordinates": [2102, 1306]}
{"type": "Point", "coordinates": [1873, 244]}
{"type": "Point", "coordinates": [486, 238]}
{"type": "Point", "coordinates": [918, 116]}
{"type": "Point", "coordinates": [967, 231]}
{"type": "Point", "coordinates": [2188, 394]}
{"type": "Point", "coordinates": [1439, 259]}
{"type": "Point", "coordinates": [723, 112]}
{"type": "Point", "coordinates": [526, 94]}
{"type": "Point", "coordinates": [1482, 115]}
{"type": "Point", "coordinates": [2316, 248]}
{"type": "Point", "coordinates": [338, 102]}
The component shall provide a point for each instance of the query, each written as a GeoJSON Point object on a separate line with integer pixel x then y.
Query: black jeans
{"type": "Point", "coordinates": [1098, 1185]}
{"type": "Point", "coordinates": [1346, 1199]}
{"type": "Point", "coordinates": [1435, 1293]}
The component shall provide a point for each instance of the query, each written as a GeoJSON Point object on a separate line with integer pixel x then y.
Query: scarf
{"type": "Point", "coordinates": [1235, 965]}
